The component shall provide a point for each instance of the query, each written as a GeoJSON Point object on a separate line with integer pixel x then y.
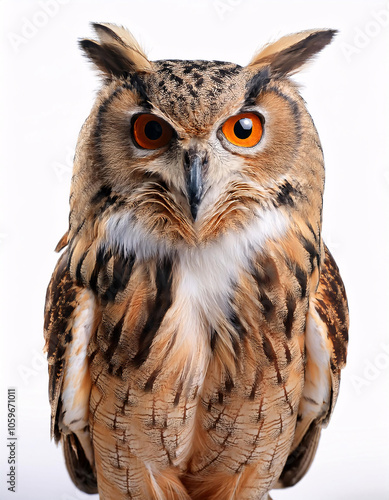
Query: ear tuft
{"type": "Point", "coordinates": [117, 52]}
{"type": "Point", "coordinates": [289, 53]}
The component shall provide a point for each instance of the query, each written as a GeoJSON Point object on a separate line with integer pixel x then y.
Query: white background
{"type": "Point", "coordinates": [47, 89]}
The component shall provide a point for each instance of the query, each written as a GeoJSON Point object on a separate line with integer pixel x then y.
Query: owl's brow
{"type": "Point", "coordinates": [255, 85]}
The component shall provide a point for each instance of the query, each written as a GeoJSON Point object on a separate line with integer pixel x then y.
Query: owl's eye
{"type": "Point", "coordinates": [151, 132]}
{"type": "Point", "coordinates": [243, 130]}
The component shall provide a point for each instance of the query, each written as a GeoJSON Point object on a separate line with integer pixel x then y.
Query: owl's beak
{"type": "Point", "coordinates": [194, 164]}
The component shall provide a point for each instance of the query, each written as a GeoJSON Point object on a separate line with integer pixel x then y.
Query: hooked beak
{"type": "Point", "coordinates": [194, 163]}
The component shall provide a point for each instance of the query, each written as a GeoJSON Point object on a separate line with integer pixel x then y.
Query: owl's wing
{"type": "Point", "coordinates": [69, 320]}
{"type": "Point", "coordinates": [326, 349]}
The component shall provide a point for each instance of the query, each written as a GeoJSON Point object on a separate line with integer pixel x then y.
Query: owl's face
{"type": "Point", "coordinates": [184, 151]}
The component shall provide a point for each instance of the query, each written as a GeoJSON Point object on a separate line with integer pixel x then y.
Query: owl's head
{"type": "Point", "coordinates": [180, 152]}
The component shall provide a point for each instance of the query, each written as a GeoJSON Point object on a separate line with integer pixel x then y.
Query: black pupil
{"type": "Point", "coordinates": [153, 130]}
{"type": "Point", "coordinates": [243, 128]}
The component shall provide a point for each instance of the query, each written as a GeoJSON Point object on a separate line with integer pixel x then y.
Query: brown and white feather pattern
{"type": "Point", "coordinates": [194, 357]}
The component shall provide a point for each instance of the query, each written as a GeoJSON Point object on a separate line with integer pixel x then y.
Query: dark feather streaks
{"type": "Point", "coordinates": [79, 267]}
{"type": "Point", "coordinates": [302, 279]}
{"type": "Point", "coordinates": [62, 306]}
{"type": "Point", "coordinates": [102, 258]}
{"type": "Point", "coordinates": [122, 269]}
{"type": "Point", "coordinates": [314, 255]}
{"type": "Point", "coordinates": [271, 355]}
{"type": "Point", "coordinates": [106, 199]}
{"type": "Point", "coordinates": [61, 302]}
{"type": "Point", "coordinates": [288, 320]}
{"type": "Point", "coordinates": [101, 282]}
{"type": "Point", "coordinates": [158, 309]}
{"type": "Point", "coordinates": [254, 86]}
{"type": "Point", "coordinates": [285, 194]}
{"type": "Point", "coordinates": [107, 57]}
{"type": "Point", "coordinates": [300, 275]}
{"type": "Point", "coordinates": [103, 193]}
{"type": "Point", "coordinates": [266, 278]}
{"type": "Point", "coordinates": [237, 325]}
{"type": "Point", "coordinates": [114, 338]}
{"type": "Point", "coordinates": [333, 310]}
{"type": "Point", "coordinates": [135, 84]}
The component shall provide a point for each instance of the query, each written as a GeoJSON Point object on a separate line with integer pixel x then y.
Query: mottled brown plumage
{"type": "Point", "coordinates": [195, 324]}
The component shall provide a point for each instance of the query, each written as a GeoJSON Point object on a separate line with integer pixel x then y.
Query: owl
{"type": "Point", "coordinates": [195, 324]}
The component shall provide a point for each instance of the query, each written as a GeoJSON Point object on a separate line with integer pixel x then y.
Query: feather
{"type": "Point", "coordinates": [78, 466]}
{"type": "Point", "coordinates": [117, 53]}
{"type": "Point", "coordinates": [290, 52]}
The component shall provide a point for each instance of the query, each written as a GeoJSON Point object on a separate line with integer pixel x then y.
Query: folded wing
{"type": "Point", "coordinates": [69, 322]}
{"type": "Point", "coordinates": [326, 349]}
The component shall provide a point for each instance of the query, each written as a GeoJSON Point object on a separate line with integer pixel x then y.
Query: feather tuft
{"type": "Point", "coordinates": [291, 52]}
{"type": "Point", "coordinates": [117, 52]}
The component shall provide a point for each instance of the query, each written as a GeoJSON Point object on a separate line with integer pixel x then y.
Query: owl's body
{"type": "Point", "coordinates": [196, 324]}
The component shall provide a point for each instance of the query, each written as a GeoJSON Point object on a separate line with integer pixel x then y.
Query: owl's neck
{"type": "Point", "coordinates": [127, 236]}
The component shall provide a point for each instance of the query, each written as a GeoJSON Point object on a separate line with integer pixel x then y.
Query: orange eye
{"type": "Point", "coordinates": [151, 132]}
{"type": "Point", "coordinates": [243, 130]}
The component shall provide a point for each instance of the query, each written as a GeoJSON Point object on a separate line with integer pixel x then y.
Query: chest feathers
{"type": "Point", "coordinates": [196, 345]}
